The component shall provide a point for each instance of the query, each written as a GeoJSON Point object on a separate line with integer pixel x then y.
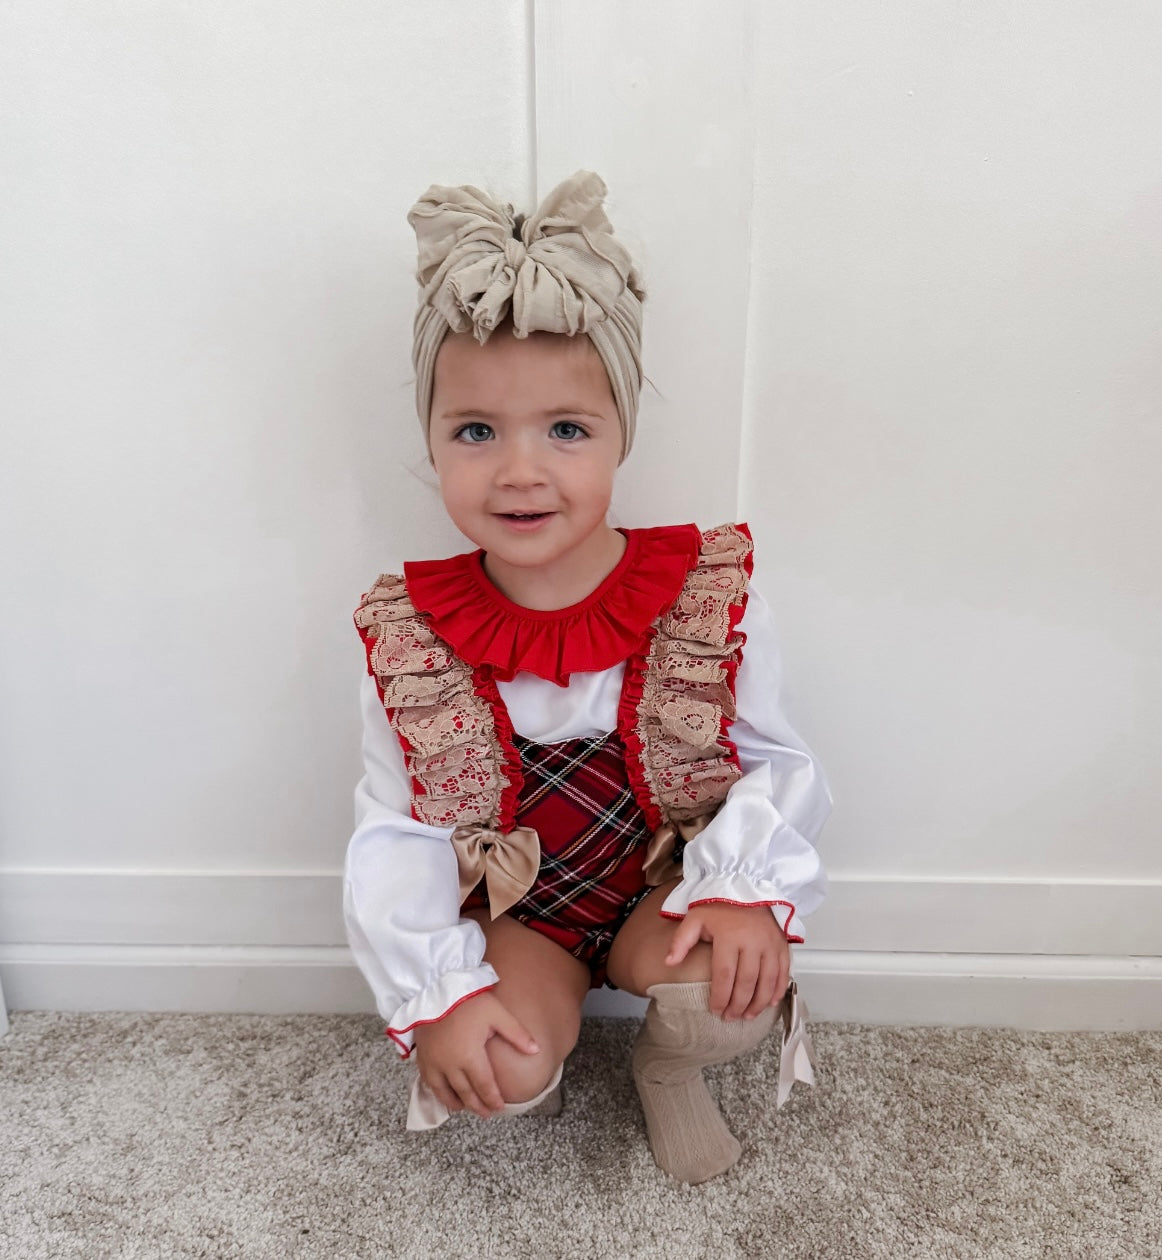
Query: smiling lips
{"type": "Point", "coordinates": [523, 520]}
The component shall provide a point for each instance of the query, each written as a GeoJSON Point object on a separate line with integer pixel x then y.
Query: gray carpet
{"type": "Point", "coordinates": [282, 1136]}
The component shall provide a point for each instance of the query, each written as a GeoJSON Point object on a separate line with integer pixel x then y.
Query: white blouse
{"type": "Point", "coordinates": [401, 899]}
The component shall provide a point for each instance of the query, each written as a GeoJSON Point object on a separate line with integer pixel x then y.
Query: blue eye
{"type": "Point", "coordinates": [475, 432]}
{"type": "Point", "coordinates": [568, 430]}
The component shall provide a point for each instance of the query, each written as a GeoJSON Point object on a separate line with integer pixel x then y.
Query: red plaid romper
{"type": "Point", "coordinates": [578, 797]}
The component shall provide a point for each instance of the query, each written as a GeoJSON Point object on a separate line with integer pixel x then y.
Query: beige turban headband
{"type": "Point", "coordinates": [560, 271]}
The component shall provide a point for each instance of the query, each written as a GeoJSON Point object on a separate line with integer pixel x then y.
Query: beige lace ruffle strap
{"type": "Point", "coordinates": [561, 270]}
{"type": "Point", "coordinates": [679, 753]}
{"type": "Point", "coordinates": [452, 747]}
{"type": "Point", "coordinates": [797, 1056]}
{"type": "Point", "coordinates": [507, 862]}
{"type": "Point", "coordinates": [448, 732]}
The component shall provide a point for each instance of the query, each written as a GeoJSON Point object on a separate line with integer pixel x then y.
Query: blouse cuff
{"type": "Point", "coordinates": [440, 998]}
{"type": "Point", "coordinates": [734, 888]}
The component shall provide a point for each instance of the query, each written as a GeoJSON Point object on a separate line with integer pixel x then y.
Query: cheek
{"type": "Point", "coordinates": [456, 486]}
{"type": "Point", "coordinates": [596, 489]}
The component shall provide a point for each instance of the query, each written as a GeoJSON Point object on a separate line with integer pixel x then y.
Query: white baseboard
{"type": "Point", "coordinates": [1005, 991]}
{"type": "Point", "coordinates": [1064, 954]}
{"type": "Point", "coordinates": [1030, 991]}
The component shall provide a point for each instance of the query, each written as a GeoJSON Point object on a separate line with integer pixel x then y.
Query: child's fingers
{"type": "Point", "coordinates": [782, 979]}
{"type": "Point", "coordinates": [686, 935]}
{"type": "Point", "coordinates": [764, 990]}
{"type": "Point", "coordinates": [723, 965]}
{"type": "Point", "coordinates": [746, 976]}
{"type": "Point", "coordinates": [515, 1033]}
{"type": "Point", "coordinates": [444, 1092]}
{"type": "Point", "coordinates": [483, 1080]}
{"type": "Point", "coordinates": [468, 1095]}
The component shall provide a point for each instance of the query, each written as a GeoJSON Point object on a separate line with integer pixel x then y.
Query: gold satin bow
{"type": "Point", "coordinates": [660, 863]}
{"type": "Point", "coordinates": [508, 861]}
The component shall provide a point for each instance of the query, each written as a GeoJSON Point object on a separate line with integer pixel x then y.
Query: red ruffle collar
{"type": "Point", "coordinates": [484, 627]}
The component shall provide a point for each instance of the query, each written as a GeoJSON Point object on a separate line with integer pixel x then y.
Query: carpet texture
{"type": "Point", "coordinates": [171, 1135]}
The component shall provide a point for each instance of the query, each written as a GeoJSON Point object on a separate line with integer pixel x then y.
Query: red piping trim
{"type": "Point", "coordinates": [395, 1033]}
{"type": "Point", "coordinates": [732, 663]}
{"type": "Point", "coordinates": [727, 901]}
{"type": "Point", "coordinates": [628, 729]}
{"type": "Point", "coordinates": [511, 767]}
{"type": "Point", "coordinates": [407, 1050]}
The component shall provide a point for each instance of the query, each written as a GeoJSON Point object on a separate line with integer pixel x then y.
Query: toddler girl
{"type": "Point", "coordinates": [577, 771]}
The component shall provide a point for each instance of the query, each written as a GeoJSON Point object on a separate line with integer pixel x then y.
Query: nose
{"type": "Point", "coordinates": [521, 464]}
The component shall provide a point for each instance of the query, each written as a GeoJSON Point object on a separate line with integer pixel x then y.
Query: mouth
{"type": "Point", "coordinates": [523, 520]}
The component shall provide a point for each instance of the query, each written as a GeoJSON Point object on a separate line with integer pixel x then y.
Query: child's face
{"type": "Point", "coordinates": [524, 426]}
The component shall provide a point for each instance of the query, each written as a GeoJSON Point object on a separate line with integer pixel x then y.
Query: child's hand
{"type": "Point", "coordinates": [750, 961]}
{"type": "Point", "coordinates": [453, 1061]}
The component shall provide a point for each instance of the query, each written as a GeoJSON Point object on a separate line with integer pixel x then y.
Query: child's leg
{"type": "Point", "coordinates": [544, 987]}
{"type": "Point", "coordinates": [678, 1038]}
{"type": "Point", "coordinates": [638, 957]}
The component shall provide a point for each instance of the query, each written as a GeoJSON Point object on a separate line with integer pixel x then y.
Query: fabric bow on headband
{"type": "Point", "coordinates": [559, 271]}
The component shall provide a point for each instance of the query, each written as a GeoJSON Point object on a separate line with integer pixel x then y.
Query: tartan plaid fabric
{"type": "Point", "coordinates": [578, 797]}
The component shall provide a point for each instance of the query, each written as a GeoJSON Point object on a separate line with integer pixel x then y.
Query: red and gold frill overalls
{"type": "Point", "coordinates": [568, 836]}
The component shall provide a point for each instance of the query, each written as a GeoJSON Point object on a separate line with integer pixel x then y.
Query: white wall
{"type": "Point", "coordinates": [904, 315]}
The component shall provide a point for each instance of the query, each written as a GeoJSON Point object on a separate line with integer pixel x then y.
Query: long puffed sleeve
{"type": "Point", "coordinates": [401, 895]}
{"type": "Point", "coordinates": [758, 849]}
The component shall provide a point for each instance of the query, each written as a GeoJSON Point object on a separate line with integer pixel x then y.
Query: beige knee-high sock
{"type": "Point", "coordinates": [679, 1037]}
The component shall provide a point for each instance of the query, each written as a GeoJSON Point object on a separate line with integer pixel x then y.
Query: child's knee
{"type": "Point", "coordinates": [520, 1076]}
{"type": "Point", "coordinates": [523, 1076]}
{"type": "Point", "coordinates": [693, 969]}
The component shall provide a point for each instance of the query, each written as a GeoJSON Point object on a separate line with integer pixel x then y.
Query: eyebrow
{"type": "Point", "coordinates": [488, 415]}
